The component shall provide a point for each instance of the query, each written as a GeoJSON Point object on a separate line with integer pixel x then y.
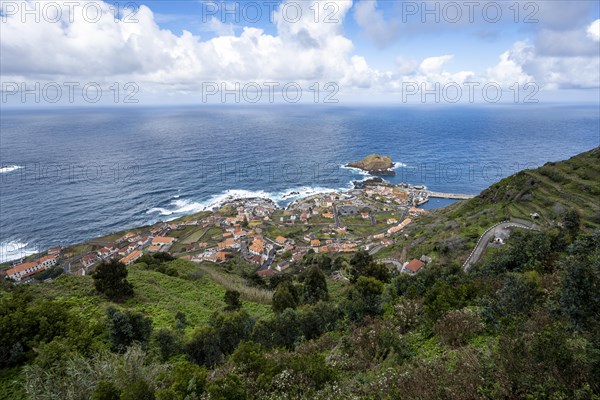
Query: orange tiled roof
{"type": "Point", "coordinates": [47, 258]}
{"type": "Point", "coordinates": [415, 265]}
{"type": "Point", "coordinates": [163, 239]}
{"type": "Point", "coordinates": [280, 239]}
{"type": "Point", "coordinates": [21, 267]}
{"type": "Point", "coordinates": [134, 255]}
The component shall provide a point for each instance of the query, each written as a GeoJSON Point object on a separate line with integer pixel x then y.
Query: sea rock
{"type": "Point", "coordinates": [368, 182]}
{"type": "Point", "coordinates": [375, 164]}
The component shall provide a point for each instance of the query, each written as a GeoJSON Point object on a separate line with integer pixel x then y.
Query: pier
{"type": "Point", "coordinates": [456, 196]}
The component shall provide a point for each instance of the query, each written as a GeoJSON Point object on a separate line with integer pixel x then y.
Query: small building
{"type": "Point", "coordinates": [221, 256]}
{"type": "Point", "coordinates": [322, 249]}
{"type": "Point", "coordinates": [280, 240]}
{"type": "Point", "coordinates": [228, 243]}
{"type": "Point", "coordinates": [501, 236]}
{"type": "Point", "coordinates": [425, 259]}
{"type": "Point", "coordinates": [282, 266]}
{"type": "Point", "coordinates": [47, 261]}
{"type": "Point", "coordinates": [315, 243]}
{"type": "Point", "coordinates": [413, 266]}
{"type": "Point", "coordinates": [162, 241]}
{"type": "Point", "coordinates": [256, 249]}
{"type": "Point", "coordinates": [128, 237]}
{"type": "Point", "coordinates": [144, 241]}
{"type": "Point", "coordinates": [105, 253]}
{"type": "Point", "coordinates": [89, 259]}
{"type": "Point", "coordinates": [24, 270]}
{"type": "Point", "coordinates": [131, 257]}
{"type": "Point", "coordinates": [347, 210]}
{"type": "Point", "coordinates": [123, 251]}
{"type": "Point", "coordinates": [265, 273]}
{"type": "Point", "coordinates": [54, 251]}
{"type": "Point", "coordinates": [154, 248]}
{"type": "Point", "coordinates": [309, 236]}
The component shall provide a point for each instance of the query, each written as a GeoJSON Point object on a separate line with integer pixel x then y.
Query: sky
{"type": "Point", "coordinates": [327, 51]}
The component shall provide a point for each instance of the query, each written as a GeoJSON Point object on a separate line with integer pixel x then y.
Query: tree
{"type": "Point", "coordinates": [125, 328]}
{"type": "Point", "coordinates": [339, 263]}
{"type": "Point", "coordinates": [204, 347]}
{"type": "Point", "coordinates": [187, 381]}
{"type": "Point", "coordinates": [250, 358]}
{"type": "Point", "coordinates": [232, 299]}
{"type": "Point", "coordinates": [378, 271]}
{"type": "Point", "coordinates": [231, 328]}
{"type": "Point", "coordinates": [167, 343]}
{"type": "Point", "coordinates": [571, 222]}
{"type": "Point", "coordinates": [229, 387]}
{"type": "Point", "coordinates": [286, 329]}
{"type": "Point", "coordinates": [315, 286]}
{"type": "Point", "coordinates": [363, 265]}
{"type": "Point", "coordinates": [364, 299]}
{"type": "Point", "coordinates": [275, 280]}
{"type": "Point", "coordinates": [580, 297]}
{"type": "Point", "coordinates": [456, 326]}
{"type": "Point", "coordinates": [180, 320]}
{"type": "Point", "coordinates": [106, 390]}
{"type": "Point", "coordinates": [138, 390]}
{"type": "Point", "coordinates": [285, 296]}
{"type": "Point", "coordinates": [110, 279]}
{"type": "Point", "coordinates": [359, 263]}
{"type": "Point", "coordinates": [318, 318]}
{"type": "Point", "coordinates": [516, 298]}
{"type": "Point", "coordinates": [325, 262]}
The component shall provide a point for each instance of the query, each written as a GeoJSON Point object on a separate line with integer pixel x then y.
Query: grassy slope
{"type": "Point", "coordinates": [158, 295]}
{"type": "Point", "coordinates": [451, 232]}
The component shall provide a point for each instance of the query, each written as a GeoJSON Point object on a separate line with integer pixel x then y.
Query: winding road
{"type": "Point", "coordinates": [487, 236]}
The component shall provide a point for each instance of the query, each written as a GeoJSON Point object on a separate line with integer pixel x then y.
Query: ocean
{"type": "Point", "coordinates": [67, 175]}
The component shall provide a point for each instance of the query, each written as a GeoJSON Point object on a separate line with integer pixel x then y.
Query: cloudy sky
{"type": "Point", "coordinates": [372, 51]}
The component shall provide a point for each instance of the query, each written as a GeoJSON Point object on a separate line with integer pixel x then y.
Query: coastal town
{"type": "Point", "coordinates": [369, 217]}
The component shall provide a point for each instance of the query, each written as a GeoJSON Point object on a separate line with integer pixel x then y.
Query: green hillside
{"type": "Point", "coordinates": [523, 323]}
{"type": "Point", "coordinates": [551, 191]}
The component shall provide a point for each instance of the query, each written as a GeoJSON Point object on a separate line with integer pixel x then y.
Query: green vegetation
{"type": "Point", "coordinates": [449, 234]}
{"type": "Point", "coordinates": [523, 323]}
{"type": "Point", "coordinates": [110, 279]}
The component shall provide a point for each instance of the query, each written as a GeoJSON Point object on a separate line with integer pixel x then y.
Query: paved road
{"type": "Point", "coordinates": [336, 216]}
{"type": "Point", "coordinates": [375, 249]}
{"type": "Point", "coordinates": [484, 240]}
{"type": "Point", "coordinates": [396, 263]}
{"type": "Point", "coordinates": [268, 261]}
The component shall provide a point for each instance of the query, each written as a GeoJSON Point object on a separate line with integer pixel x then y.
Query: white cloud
{"type": "Point", "coordinates": [431, 70]}
{"type": "Point", "coordinates": [301, 51]}
{"type": "Point", "coordinates": [221, 28]}
{"type": "Point", "coordinates": [372, 21]}
{"type": "Point", "coordinates": [593, 31]}
{"type": "Point", "coordinates": [510, 70]}
{"type": "Point", "coordinates": [522, 63]}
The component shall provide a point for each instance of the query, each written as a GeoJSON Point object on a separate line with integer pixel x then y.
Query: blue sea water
{"type": "Point", "coordinates": [68, 175]}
